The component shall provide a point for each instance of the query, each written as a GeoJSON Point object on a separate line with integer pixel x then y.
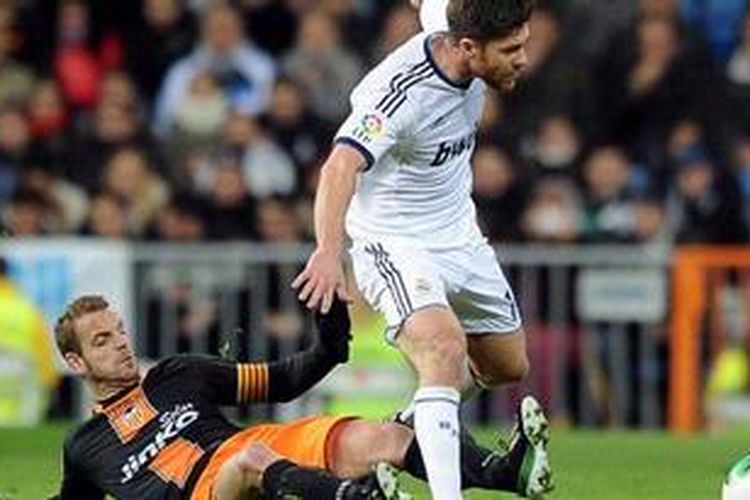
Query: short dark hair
{"type": "Point", "coordinates": [486, 20]}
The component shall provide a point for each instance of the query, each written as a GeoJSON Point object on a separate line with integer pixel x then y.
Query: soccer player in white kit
{"type": "Point", "coordinates": [398, 183]}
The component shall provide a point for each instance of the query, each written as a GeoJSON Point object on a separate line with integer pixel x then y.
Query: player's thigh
{"type": "Point", "coordinates": [480, 295]}
{"type": "Point", "coordinates": [487, 311]}
{"type": "Point", "coordinates": [498, 358]}
{"type": "Point", "coordinates": [396, 280]}
{"type": "Point", "coordinates": [360, 444]}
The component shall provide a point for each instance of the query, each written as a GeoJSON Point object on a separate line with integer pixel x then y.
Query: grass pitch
{"type": "Point", "coordinates": [587, 465]}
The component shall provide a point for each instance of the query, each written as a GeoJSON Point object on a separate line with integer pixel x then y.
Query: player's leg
{"type": "Point", "coordinates": [496, 345]}
{"type": "Point", "coordinates": [360, 444]}
{"type": "Point", "coordinates": [497, 359]}
{"type": "Point", "coordinates": [257, 472]}
{"type": "Point", "coordinates": [405, 285]}
{"type": "Point", "coordinates": [435, 345]}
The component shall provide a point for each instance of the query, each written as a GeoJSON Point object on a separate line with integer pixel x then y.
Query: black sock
{"type": "Point", "coordinates": [284, 478]}
{"type": "Point", "coordinates": [480, 467]}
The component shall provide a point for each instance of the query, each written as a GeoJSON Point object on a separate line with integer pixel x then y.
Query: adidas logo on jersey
{"type": "Point", "coordinates": [450, 149]}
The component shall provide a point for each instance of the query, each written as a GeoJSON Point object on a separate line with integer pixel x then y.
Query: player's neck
{"type": "Point", "coordinates": [102, 390]}
{"type": "Point", "coordinates": [448, 60]}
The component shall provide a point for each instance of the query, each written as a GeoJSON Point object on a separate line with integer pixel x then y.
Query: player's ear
{"type": "Point", "coordinates": [75, 363]}
{"type": "Point", "coordinates": [469, 47]}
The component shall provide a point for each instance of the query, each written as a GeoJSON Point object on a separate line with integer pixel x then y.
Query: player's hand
{"type": "Point", "coordinates": [322, 279]}
{"type": "Point", "coordinates": [334, 330]}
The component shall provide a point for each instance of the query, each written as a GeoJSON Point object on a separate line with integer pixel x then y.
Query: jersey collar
{"type": "Point", "coordinates": [463, 85]}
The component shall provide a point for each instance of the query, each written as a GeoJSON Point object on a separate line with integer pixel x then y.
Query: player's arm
{"type": "Point", "coordinates": [231, 383]}
{"type": "Point", "coordinates": [323, 277]}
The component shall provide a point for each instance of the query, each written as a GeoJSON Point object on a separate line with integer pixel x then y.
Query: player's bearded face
{"type": "Point", "coordinates": [501, 62]}
{"type": "Point", "coordinates": [106, 353]}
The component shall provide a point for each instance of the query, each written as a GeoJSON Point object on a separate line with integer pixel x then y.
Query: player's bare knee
{"type": "Point", "coordinates": [394, 441]}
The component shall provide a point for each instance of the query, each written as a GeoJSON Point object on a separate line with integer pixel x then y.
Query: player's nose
{"type": "Point", "coordinates": [523, 60]}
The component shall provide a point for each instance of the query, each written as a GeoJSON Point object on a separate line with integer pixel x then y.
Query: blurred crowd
{"type": "Point", "coordinates": [193, 120]}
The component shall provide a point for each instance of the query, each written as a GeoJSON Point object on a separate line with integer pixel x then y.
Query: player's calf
{"type": "Point", "coordinates": [257, 472]}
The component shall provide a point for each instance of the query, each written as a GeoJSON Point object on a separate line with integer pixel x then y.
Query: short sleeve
{"type": "Point", "coordinates": [376, 125]}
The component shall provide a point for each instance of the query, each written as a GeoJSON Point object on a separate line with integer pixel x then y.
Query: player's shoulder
{"type": "Point", "coordinates": [179, 364]}
{"type": "Point", "coordinates": [77, 437]}
{"type": "Point", "coordinates": [409, 62]}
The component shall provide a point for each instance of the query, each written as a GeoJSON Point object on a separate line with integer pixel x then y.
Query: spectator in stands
{"type": "Point", "coordinates": [273, 24]}
{"type": "Point", "coordinates": [738, 74]}
{"type": "Point", "coordinates": [356, 30]}
{"type": "Point", "coordinates": [16, 79]}
{"type": "Point", "coordinates": [553, 213]}
{"type": "Point", "coordinates": [326, 69]}
{"type": "Point", "coordinates": [129, 176]}
{"type": "Point", "coordinates": [608, 203]}
{"type": "Point", "coordinates": [24, 336]}
{"type": "Point", "coordinates": [107, 217]}
{"type": "Point", "coordinates": [165, 32]}
{"type": "Point", "coordinates": [114, 127]}
{"type": "Point", "coordinates": [203, 110]}
{"type": "Point", "coordinates": [277, 222]}
{"type": "Point", "coordinates": [78, 63]}
{"type": "Point", "coordinates": [499, 195]}
{"type": "Point", "coordinates": [741, 163]}
{"type": "Point", "coordinates": [705, 203]}
{"type": "Point", "coordinates": [119, 89]}
{"type": "Point", "coordinates": [245, 73]}
{"type": "Point", "coordinates": [26, 215]}
{"type": "Point", "coordinates": [267, 168]}
{"type": "Point", "coordinates": [230, 208]}
{"type": "Point", "coordinates": [48, 116]}
{"type": "Point", "coordinates": [649, 82]}
{"type": "Point", "coordinates": [553, 83]}
{"type": "Point", "coordinates": [650, 221]}
{"type": "Point", "coordinates": [181, 220]}
{"type": "Point", "coordinates": [555, 147]}
{"type": "Point", "coordinates": [401, 23]}
{"type": "Point", "coordinates": [15, 148]}
{"type": "Point", "coordinates": [68, 202]}
{"type": "Point", "coordinates": [290, 122]}
{"type": "Point", "coordinates": [718, 21]}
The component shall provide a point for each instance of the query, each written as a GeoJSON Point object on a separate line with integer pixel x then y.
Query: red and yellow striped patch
{"type": "Point", "coordinates": [252, 382]}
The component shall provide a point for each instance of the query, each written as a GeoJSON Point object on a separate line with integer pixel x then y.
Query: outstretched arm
{"type": "Point", "coordinates": [229, 383]}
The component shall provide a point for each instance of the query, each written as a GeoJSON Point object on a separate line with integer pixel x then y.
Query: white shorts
{"type": "Point", "coordinates": [397, 280]}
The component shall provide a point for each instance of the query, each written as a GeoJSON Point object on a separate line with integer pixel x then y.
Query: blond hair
{"type": "Point", "coordinates": [65, 332]}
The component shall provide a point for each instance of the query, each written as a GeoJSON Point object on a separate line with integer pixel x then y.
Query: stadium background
{"type": "Point", "coordinates": [180, 184]}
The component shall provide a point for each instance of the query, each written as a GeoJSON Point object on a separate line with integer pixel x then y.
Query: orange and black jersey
{"type": "Point", "coordinates": [152, 441]}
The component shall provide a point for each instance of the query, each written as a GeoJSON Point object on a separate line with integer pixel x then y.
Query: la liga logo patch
{"type": "Point", "coordinates": [370, 127]}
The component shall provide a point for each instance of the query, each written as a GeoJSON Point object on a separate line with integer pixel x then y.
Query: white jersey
{"type": "Point", "coordinates": [417, 129]}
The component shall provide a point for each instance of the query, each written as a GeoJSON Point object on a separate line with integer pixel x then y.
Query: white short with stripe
{"type": "Point", "coordinates": [398, 279]}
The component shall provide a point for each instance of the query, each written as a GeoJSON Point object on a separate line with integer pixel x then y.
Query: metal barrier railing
{"type": "Point", "coordinates": [595, 316]}
{"type": "Point", "coordinates": [593, 362]}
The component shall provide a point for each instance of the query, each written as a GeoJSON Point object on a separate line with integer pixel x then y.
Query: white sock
{"type": "Point", "coordinates": [437, 431]}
